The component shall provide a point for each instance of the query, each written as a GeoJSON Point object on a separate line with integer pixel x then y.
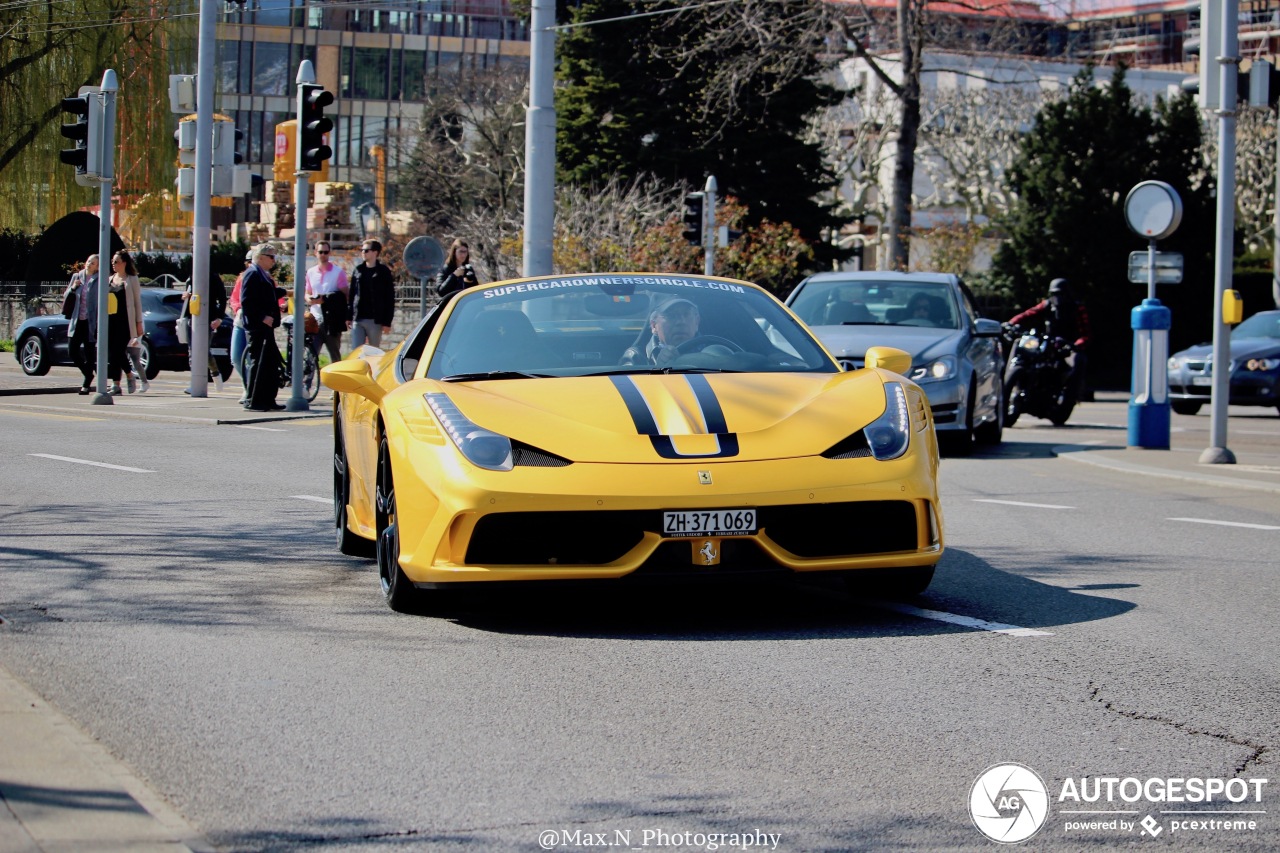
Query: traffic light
{"type": "Point", "coordinates": [313, 126]}
{"type": "Point", "coordinates": [86, 132]}
{"type": "Point", "coordinates": [185, 136]}
{"type": "Point", "coordinates": [694, 218]}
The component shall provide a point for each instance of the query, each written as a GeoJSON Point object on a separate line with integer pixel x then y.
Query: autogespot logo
{"type": "Point", "coordinates": [1009, 803]}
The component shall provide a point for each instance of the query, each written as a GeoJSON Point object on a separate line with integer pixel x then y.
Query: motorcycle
{"type": "Point", "coordinates": [1036, 377]}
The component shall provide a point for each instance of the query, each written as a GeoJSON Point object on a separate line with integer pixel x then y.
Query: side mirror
{"type": "Point", "coordinates": [888, 358]}
{"type": "Point", "coordinates": [986, 328]}
{"type": "Point", "coordinates": [353, 376]}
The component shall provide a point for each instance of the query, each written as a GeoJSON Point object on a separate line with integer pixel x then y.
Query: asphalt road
{"type": "Point", "coordinates": [194, 617]}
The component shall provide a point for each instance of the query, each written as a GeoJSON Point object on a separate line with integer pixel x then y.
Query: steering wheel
{"type": "Point", "coordinates": [702, 341]}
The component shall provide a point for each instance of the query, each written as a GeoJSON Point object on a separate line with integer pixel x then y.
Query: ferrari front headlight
{"type": "Point", "coordinates": [483, 448]}
{"type": "Point", "coordinates": [935, 371]}
{"type": "Point", "coordinates": [889, 434]}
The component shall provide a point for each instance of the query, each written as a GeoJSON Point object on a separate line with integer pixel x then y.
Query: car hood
{"type": "Point", "coordinates": [626, 418]}
{"type": "Point", "coordinates": [1240, 349]}
{"type": "Point", "coordinates": [923, 343]}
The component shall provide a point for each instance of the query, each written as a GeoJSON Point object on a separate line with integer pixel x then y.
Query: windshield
{"type": "Point", "coordinates": [585, 325]}
{"type": "Point", "coordinates": [1264, 325]}
{"type": "Point", "coordinates": [878, 303]}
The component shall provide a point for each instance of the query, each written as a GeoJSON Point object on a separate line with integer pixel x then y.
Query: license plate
{"type": "Point", "coordinates": [709, 522]}
{"type": "Point", "coordinates": [1201, 380]}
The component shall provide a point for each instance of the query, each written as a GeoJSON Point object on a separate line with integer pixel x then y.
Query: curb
{"type": "Point", "coordinates": [91, 411]}
{"type": "Point", "coordinates": [62, 790]}
{"type": "Point", "coordinates": [1081, 453]}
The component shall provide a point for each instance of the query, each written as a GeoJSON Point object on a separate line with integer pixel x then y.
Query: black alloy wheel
{"type": "Point", "coordinates": [400, 593]}
{"type": "Point", "coordinates": [348, 543]}
{"type": "Point", "coordinates": [150, 368]}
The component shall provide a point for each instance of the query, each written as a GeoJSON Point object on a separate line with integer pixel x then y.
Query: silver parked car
{"type": "Point", "coordinates": [956, 355]}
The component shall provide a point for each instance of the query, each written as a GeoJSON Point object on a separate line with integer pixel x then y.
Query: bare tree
{"type": "Point", "coordinates": [1255, 175]}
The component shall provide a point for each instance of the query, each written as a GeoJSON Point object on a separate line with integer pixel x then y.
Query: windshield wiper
{"type": "Point", "coordinates": [650, 369]}
{"type": "Point", "coordinates": [493, 374]}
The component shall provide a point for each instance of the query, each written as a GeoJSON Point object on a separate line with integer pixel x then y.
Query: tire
{"type": "Point", "coordinates": [1012, 393]}
{"type": "Point", "coordinates": [348, 543]}
{"type": "Point", "coordinates": [310, 375]}
{"type": "Point", "coordinates": [401, 595]}
{"type": "Point", "coordinates": [991, 433]}
{"type": "Point", "coordinates": [1062, 409]}
{"type": "Point", "coordinates": [149, 367]}
{"type": "Point", "coordinates": [960, 442]}
{"type": "Point", "coordinates": [1188, 407]}
{"type": "Point", "coordinates": [33, 355]}
{"type": "Point", "coordinates": [901, 583]}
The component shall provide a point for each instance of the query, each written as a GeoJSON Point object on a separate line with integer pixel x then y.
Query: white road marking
{"type": "Point", "coordinates": [264, 429]}
{"type": "Point", "coordinates": [966, 621]}
{"type": "Point", "coordinates": [1021, 503]}
{"type": "Point", "coordinates": [90, 462]}
{"type": "Point", "coordinates": [312, 498]}
{"type": "Point", "coordinates": [1226, 523]}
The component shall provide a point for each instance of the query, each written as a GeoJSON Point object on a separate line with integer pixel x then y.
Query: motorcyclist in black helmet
{"type": "Point", "coordinates": [1062, 317]}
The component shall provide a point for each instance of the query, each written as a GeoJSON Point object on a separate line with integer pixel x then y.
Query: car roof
{"type": "Point", "coordinates": [885, 276]}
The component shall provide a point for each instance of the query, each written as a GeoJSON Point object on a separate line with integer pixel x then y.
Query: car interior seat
{"type": "Point", "coordinates": [836, 313]}
{"type": "Point", "coordinates": [500, 339]}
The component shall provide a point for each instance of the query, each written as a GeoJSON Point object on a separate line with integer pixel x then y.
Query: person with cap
{"type": "Point", "coordinates": [1062, 317]}
{"type": "Point", "coordinates": [671, 324]}
{"type": "Point", "coordinates": [261, 308]}
{"type": "Point", "coordinates": [239, 335]}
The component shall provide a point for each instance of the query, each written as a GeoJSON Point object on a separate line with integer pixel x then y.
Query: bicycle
{"type": "Point", "coordinates": [310, 365]}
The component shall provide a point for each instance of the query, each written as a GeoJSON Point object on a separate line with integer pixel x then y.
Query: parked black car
{"type": "Point", "coordinates": [41, 342]}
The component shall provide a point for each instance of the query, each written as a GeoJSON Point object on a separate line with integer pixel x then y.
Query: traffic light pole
{"type": "Point", "coordinates": [203, 200]}
{"type": "Point", "coordinates": [297, 401]}
{"type": "Point", "coordinates": [709, 225]}
{"type": "Point", "coordinates": [1227, 55]}
{"type": "Point", "coordinates": [106, 161]}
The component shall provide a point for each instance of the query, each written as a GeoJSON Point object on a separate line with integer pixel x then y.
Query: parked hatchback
{"type": "Point", "coordinates": [956, 355]}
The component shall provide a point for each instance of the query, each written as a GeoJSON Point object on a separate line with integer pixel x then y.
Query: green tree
{"type": "Point", "coordinates": [635, 99]}
{"type": "Point", "coordinates": [50, 49]}
{"type": "Point", "coordinates": [1070, 180]}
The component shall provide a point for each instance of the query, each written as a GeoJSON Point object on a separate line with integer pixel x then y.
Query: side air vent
{"type": "Point", "coordinates": [532, 457]}
{"type": "Point", "coordinates": [853, 447]}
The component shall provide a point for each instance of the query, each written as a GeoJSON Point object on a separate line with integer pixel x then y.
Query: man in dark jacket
{"type": "Point", "coordinates": [261, 310]}
{"type": "Point", "coordinates": [83, 330]}
{"type": "Point", "coordinates": [373, 298]}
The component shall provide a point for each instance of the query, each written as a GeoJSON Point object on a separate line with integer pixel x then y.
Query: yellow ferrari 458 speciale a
{"type": "Point", "coordinates": [629, 425]}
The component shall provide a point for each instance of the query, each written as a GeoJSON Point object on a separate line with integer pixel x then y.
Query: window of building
{"type": "Point", "coordinates": [228, 79]}
{"type": "Point", "coordinates": [271, 69]}
{"type": "Point", "coordinates": [274, 13]}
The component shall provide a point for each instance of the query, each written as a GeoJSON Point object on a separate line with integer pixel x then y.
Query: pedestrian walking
{"type": "Point", "coordinates": [373, 298]}
{"type": "Point", "coordinates": [124, 321]}
{"type": "Point", "coordinates": [215, 310]}
{"type": "Point", "coordinates": [239, 336]}
{"type": "Point", "coordinates": [125, 274]}
{"type": "Point", "coordinates": [81, 298]}
{"type": "Point", "coordinates": [261, 308]}
{"type": "Point", "coordinates": [326, 293]}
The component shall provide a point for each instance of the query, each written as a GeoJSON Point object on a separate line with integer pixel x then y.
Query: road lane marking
{"type": "Point", "coordinates": [312, 498]}
{"type": "Point", "coordinates": [966, 621]}
{"type": "Point", "coordinates": [91, 462]}
{"type": "Point", "coordinates": [1227, 523]}
{"type": "Point", "coordinates": [264, 429]}
{"type": "Point", "coordinates": [9, 411]}
{"type": "Point", "coordinates": [1021, 503]}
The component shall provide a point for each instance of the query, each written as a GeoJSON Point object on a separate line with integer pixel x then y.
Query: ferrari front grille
{"type": "Point", "coordinates": [587, 538]}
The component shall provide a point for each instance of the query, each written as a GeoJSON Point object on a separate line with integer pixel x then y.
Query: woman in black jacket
{"type": "Point", "coordinates": [458, 273]}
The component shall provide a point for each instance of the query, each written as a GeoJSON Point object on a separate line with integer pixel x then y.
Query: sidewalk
{"type": "Point", "coordinates": [165, 401]}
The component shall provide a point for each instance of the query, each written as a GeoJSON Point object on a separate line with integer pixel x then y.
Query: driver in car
{"type": "Point", "coordinates": [673, 323]}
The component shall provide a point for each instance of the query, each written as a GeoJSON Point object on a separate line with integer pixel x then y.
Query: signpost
{"type": "Point", "coordinates": [1153, 210]}
{"type": "Point", "coordinates": [423, 258]}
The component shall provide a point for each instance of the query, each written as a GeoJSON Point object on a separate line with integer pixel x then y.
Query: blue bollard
{"type": "Point", "coordinates": [1149, 390]}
